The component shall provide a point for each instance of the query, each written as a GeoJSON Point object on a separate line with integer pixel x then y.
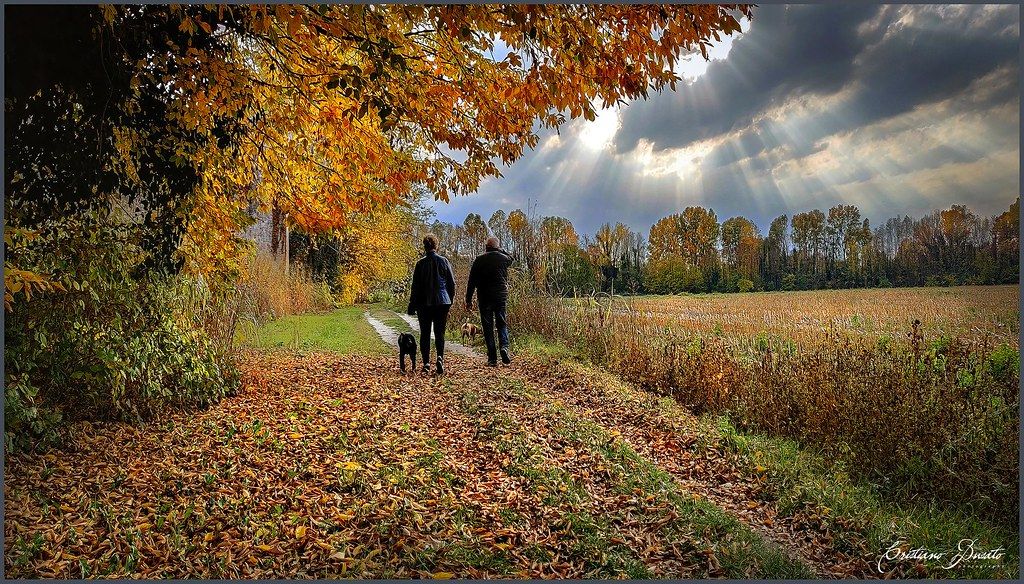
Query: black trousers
{"type": "Point", "coordinates": [436, 317]}
{"type": "Point", "coordinates": [489, 317]}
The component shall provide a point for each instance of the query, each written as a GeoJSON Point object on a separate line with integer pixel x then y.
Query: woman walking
{"type": "Point", "coordinates": [433, 287]}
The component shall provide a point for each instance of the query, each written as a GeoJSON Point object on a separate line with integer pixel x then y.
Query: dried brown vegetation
{"type": "Point", "coordinates": [927, 410]}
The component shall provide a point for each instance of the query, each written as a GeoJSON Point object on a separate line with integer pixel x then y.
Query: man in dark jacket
{"type": "Point", "coordinates": [489, 277]}
{"type": "Point", "coordinates": [433, 288]}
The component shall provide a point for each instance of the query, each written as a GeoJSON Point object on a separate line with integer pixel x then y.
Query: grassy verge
{"type": "Point", "coordinates": [722, 545]}
{"type": "Point", "coordinates": [391, 318]}
{"type": "Point", "coordinates": [343, 330]}
{"type": "Point", "coordinates": [740, 552]}
{"type": "Point", "coordinates": [805, 483]}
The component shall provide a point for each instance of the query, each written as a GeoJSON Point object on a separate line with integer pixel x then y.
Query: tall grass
{"type": "Point", "coordinates": [921, 416]}
{"type": "Point", "coordinates": [263, 291]}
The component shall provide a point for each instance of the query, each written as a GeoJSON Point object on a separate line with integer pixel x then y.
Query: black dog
{"type": "Point", "coordinates": [406, 346]}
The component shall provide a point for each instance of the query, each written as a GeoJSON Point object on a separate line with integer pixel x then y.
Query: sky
{"type": "Point", "coordinates": [896, 109]}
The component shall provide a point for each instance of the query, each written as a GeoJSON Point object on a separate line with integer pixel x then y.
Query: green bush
{"type": "Point", "coordinates": [109, 348]}
{"type": "Point", "coordinates": [744, 285]}
{"type": "Point", "coordinates": [789, 282]}
{"type": "Point", "coordinates": [387, 296]}
{"type": "Point", "coordinates": [1004, 362]}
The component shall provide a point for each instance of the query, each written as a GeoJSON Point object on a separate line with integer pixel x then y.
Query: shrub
{"type": "Point", "coordinates": [112, 347]}
{"type": "Point", "coordinates": [744, 285]}
{"type": "Point", "coordinates": [1004, 363]}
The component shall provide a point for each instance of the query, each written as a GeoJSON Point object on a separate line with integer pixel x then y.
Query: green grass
{"type": "Point", "coordinates": [392, 319]}
{"type": "Point", "coordinates": [538, 345]}
{"type": "Point", "coordinates": [801, 479]}
{"type": "Point", "coordinates": [344, 330]}
{"type": "Point", "coordinates": [742, 553]}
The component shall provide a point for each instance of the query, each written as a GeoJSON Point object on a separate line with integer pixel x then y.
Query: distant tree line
{"type": "Point", "coordinates": [692, 251]}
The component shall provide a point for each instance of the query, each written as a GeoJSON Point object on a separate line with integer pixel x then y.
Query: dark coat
{"type": "Point", "coordinates": [489, 277]}
{"type": "Point", "coordinates": [433, 282]}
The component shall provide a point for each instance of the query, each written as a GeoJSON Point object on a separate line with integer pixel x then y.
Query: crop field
{"type": "Point", "coordinates": [923, 410]}
{"type": "Point", "coordinates": [977, 312]}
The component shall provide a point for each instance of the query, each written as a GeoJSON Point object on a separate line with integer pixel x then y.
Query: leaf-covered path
{"type": "Point", "coordinates": [330, 465]}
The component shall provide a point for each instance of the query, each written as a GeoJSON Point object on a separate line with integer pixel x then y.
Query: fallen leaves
{"type": "Point", "coordinates": [317, 469]}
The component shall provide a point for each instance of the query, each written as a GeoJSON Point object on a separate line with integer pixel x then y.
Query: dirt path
{"type": "Point", "coordinates": [668, 440]}
{"type": "Point", "coordinates": [328, 465]}
{"type": "Point", "coordinates": [390, 335]}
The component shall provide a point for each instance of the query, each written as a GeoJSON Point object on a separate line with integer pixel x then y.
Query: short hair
{"type": "Point", "coordinates": [430, 242]}
{"type": "Point", "coordinates": [492, 242]}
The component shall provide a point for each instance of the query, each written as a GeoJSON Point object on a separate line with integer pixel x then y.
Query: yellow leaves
{"type": "Point", "coordinates": [269, 549]}
{"type": "Point", "coordinates": [25, 281]}
{"type": "Point", "coordinates": [300, 532]}
{"type": "Point", "coordinates": [295, 436]}
{"type": "Point", "coordinates": [109, 13]}
{"type": "Point", "coordinates": [351, 465]}
{"type": "Point", "coordinates": [442, 575]}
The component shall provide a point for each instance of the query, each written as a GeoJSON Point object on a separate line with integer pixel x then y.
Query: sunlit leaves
{"type": "Point", "coordinates": [340, 111]}
{"type": "Point", "coordinates": [18, 281]}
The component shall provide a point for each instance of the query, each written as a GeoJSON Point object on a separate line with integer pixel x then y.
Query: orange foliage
{"type": "Point", "coordinates": [342, 110]}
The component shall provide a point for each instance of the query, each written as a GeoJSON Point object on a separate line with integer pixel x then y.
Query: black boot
{"type": "Point", "coordinates": [440, 366]}
{"type": "Point", "coordinates": [504, 356]}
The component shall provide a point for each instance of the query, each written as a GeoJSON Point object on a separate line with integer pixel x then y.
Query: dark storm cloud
{"type": "Point", "coordinates": [790, 50]}
{"type": "Point", "coordinates": [932, 60]}
{"type": "Point", "coordinates": [897, 109]}
{"type": "Point", "coordinates": [795, 52]}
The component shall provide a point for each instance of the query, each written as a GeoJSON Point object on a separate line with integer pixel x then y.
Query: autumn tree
{"type": "Point", "coordinates": [686, 242]}
{"type": "Point", "coordinates": [498, 226]}
{"type": "Point", "coordinates": [700, 233]}
{"type": "Point", "coordinates": [611, 244]}
{"type": "Point", "coordinates": [346, 107]}
{"type": "Point", "coordinates": [665, 238]}
{"type": "Point", "coordinates": [475, 232]}
{"type": "Point", "coordinates": [1006, 243]}
{"type": "Point", "coordinates": [631, 263]}
{"type": "Point", "coordinates": [326, 114]}
{"type": "Point", "coordinates": [741, 249]}
{"type": "Point", "coordinates": [841, 219]}
{"type": "Point", "coordinates": [808, 242]}
{"type": "Point", "coordinates": [523, 238]}
{"type": "Point", "coordinates": [556, 235]}
{"type": "Point", "coordinates": [775, 252]}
